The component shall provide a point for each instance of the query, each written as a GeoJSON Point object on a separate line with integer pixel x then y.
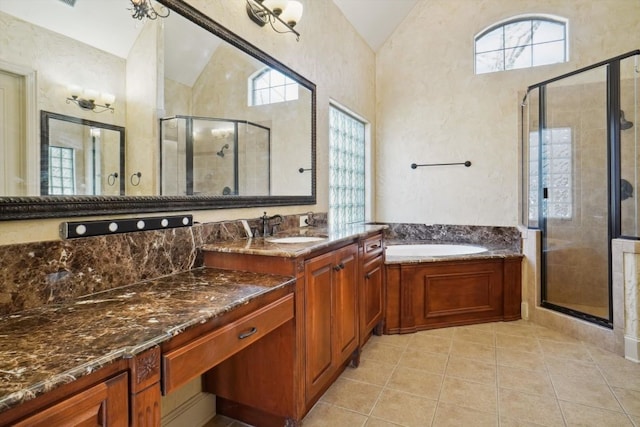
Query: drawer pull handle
{"type": "Point", "coordinates": [248, 333]}
{"type": "Point", "coordinates": [376, 246]}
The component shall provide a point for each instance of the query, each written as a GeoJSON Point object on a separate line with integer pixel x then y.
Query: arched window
{"type": "Point", "coordinates": [269, 86]}
{"type": "Point", "coordinates": [522, 42]}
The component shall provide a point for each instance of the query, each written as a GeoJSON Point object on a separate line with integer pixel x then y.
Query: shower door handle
{"type": "Point", "coordinates": [545, 193]}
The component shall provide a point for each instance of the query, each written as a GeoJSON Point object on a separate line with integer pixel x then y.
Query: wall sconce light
{"type": "Point", "coordinates": [282, 15]}
{"type": "Point", "coordinates": [143, 9]}
{"type": "Point", "coordinates": [86, 99]}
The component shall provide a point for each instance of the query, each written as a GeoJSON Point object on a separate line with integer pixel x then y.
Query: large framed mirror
{"type": "Point", "coordinates": [80, 157]}
{"type": "Point", "coordinates": [210, 120]}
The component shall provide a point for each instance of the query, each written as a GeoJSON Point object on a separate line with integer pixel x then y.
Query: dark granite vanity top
{"type": "Point", "coordinates": [53, 345]}
{"type": "Point", "coordinates": [266, 246]}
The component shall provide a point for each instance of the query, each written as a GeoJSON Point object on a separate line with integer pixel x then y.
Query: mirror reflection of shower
{"type": "Point", "coordinates": [624, 123]}
{"type": "Point", "coordinates": [221, 152]}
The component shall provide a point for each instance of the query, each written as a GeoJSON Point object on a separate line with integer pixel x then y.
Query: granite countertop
{"type": "Point", "coordinates": [265, 246]}
{"type": "Point", "coordinates": [46, 347]}
{"type": "Point", "coordinates": [494, 250]}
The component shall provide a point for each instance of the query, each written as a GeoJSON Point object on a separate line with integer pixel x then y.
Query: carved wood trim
{"type": "Point", "coordinates": [145, 369]}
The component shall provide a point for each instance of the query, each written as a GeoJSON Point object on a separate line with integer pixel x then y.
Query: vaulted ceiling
{"type": "Point", "coordinates": [375, 20]}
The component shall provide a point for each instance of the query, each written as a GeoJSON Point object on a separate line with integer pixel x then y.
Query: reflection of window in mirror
{"type": "Point", "coordinates": [268, 86]}
{"type": "Point", "coordinates": [62, 171]}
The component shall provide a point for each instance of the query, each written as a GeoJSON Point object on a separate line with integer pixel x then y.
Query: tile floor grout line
{"type": "Point", "coordinates": [615, 396]}
{"type": "Point", "coordinates": [553, 386]}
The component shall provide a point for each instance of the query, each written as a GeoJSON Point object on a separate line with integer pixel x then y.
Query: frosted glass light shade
{"type": "Point", "coordinates": [292, 13]}
{"type": "Point", "coordinates": [90, 94]}
{"type": "Point", "coordinates": [108, 98]}
{"type": "Point", "coordinates": [276, 6]}
{"type": "Point", "coordinates": [75, 91]}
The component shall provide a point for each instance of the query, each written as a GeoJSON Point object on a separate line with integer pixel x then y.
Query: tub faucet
{"type": "Point", "coordinates": [265, 224]}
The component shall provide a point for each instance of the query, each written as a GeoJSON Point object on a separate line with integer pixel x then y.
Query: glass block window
{"type": "Point", "coordinates": [557, 173]}
{"type": "Point", "coordinates": [521, 43]}
{"type": "Point", "coordinates": [346, 168]}
{"type": "Point", "coordinates": [62, 171]}
{"type": "Point", "coordinates": [269, 86]}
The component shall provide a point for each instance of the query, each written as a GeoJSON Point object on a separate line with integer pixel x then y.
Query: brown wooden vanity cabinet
{"type": "Point", "coordinates": [372, 287]}
{"type": "Point", "coordinates": [330, 315]}
{"type": "Point", "coordinates": [334, 305]}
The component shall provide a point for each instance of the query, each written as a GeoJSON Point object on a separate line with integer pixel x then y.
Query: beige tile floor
{"type": "Point", "coordinates": [494, 374]}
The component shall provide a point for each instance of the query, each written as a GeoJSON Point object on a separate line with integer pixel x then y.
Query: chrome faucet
{"type": "Point", "coordinates": [265, 224]}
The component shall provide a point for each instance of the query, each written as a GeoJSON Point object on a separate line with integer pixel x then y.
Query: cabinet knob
{"type": "Point", "coordinates": [339, 267]}
{"type": "Point", "coordinates": [367, 276]}
{"type": "Point", "coordinates": [248, 333]}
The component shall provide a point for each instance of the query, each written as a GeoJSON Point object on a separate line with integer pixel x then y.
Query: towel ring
{"type": "Point", "coordinates": [135, 182]}
{"type": "Point", "coordinates": [111, 179]}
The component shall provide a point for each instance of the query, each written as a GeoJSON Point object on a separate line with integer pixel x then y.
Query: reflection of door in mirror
{"type": "Point", "coordinates": [81, 157]}
{"type": "Point", "coordinates": [214, 157]}
{"type": "Point", "coordinates": [12, 139]}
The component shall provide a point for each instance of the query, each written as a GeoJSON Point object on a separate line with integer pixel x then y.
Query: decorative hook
{"type": "Point", "coordinates": [135, 182]}
{"type": "Point", "coordinates": [111, 179]}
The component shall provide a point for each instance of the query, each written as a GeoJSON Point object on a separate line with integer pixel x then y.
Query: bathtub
{"type": "Point", "coordinates": [431, 250]}
{"type": "Point", "coordinates": [440, 285]}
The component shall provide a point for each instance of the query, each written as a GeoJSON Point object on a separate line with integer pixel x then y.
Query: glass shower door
{"type": "Point", "coordinates": [572, 162]}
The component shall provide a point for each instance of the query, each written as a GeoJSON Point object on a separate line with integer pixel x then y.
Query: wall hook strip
{"type": "Point", "coordinates": [415, 165]}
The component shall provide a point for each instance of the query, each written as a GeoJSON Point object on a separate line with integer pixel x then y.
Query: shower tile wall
{"type": "Point", "coordinates": [577, 266]}
{"type": "Point", "coordinates": [630, 154]}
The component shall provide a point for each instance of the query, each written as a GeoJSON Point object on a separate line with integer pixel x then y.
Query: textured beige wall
{"type": "Point", "coordinates": [144, 100]}
{"type": "Point", "coordinates": [330, 53]}
{"type": "Point", "coordinates": [431, 108]}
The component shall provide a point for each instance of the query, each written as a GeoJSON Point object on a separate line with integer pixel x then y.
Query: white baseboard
{"type": "Point", "coordinates": [632, 349]}
{"type": "Point", "coordinates": [197, 411]}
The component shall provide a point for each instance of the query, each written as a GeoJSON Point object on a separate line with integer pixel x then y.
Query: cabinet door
{"type": "Point", "coordinates": [371, 296]}
{"type": "Point", "coordinates": [346, 302]}
{"type": "Point", "coordinates": [318, 315]}
{"type": "Point", "coordinates": [104, 404]}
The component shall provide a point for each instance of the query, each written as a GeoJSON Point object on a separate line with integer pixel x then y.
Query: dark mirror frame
{"type": "Point", "coordinates": [17, 208]}
{"type": "Point", "coordinates": [45, 116]}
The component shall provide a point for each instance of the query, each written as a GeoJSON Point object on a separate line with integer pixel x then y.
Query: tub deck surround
{"type": "Point", "coordinates": [262, 246]}
{"type": "Point", "coordinates": [492, 237]}
{"type": "Point", "coordinates": [494, 250]}
{"type": "Point", "coordinates": [52, 345]}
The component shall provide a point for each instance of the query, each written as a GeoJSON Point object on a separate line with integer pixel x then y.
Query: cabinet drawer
{"type": "Point", "coordinates": [193, 359]}
{"type": "Point", "coordinates": [372, 246]}
{"type": "Point", "coordinates": [104, 404]}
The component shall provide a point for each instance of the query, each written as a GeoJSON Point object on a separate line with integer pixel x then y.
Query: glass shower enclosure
{"type": "Point", "coordinates": [580, 169]}
{"type": "Point", "coordinates": [214, 157]}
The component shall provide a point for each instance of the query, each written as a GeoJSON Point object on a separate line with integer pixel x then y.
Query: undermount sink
{"type": "Point", "coordinates": [296, 239]}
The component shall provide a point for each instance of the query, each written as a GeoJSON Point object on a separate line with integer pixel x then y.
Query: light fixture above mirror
{"type": "Point", "coordinates": [282, 15]}
{"type": "Point", "coordinates": [86, 99]}
{"type": "Point", "coordinates": [143, 9]}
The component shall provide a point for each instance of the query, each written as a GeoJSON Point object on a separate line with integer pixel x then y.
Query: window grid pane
{"type": "Point", "coordinates": [523, 43]}
{"type": "Point", "coordinates": [346, 168]}
{"type": "Point", "coordinates": [271, 86]}
{"type": "Point", "coordinates": [557, 173]}
{"type": "Point", "coordinates": [61, 171]}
